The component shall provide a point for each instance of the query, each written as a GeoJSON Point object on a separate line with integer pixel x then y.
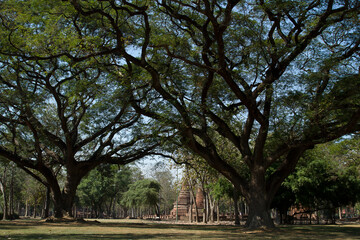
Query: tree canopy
{"type": "Point", "coordinates": [271, 78]}
{"type": "Point", "coordinates": [58, 115]}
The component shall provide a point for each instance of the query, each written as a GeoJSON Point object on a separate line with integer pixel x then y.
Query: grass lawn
{"type": "Point", "coordinates": [136, 229]}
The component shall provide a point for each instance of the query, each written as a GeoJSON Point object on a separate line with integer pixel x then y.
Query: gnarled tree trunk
{"type": "Point", "coordinates": [259, 214]}
{"type": "Point", "coordinates": [64, 200]}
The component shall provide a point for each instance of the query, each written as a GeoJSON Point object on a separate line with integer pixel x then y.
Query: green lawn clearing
{"type": "Point", "coordinates": [136, 229]}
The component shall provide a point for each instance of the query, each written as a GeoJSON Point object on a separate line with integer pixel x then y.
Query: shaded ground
{"type": "Point", "coordinates": [134, 229]}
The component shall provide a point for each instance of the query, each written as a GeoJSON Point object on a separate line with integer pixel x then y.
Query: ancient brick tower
{"type": "Point", "coordinates": [183, 202]}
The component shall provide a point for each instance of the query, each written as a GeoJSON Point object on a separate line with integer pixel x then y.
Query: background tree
{"type": "Point", "coordinates": [283, 200]}
{"type": "Point", "coordinates": [322, 182]}
{"type": "Point", "coordinates": [223, 188]}
{"type": "Point", "coordinates": [143, 194]}
{"type": "Point", "coordinates": [167, 191]}
{"type": "Point", "coordinates": [201, 175]}
{"type": "Point", "coordinates": [103, 187]}
{"type": "Point", "coordinates": [36, 198]}
{"type": "Point", "coordinates": [326, 178]}
{"type": "Point", "coordinates": [11, 181]}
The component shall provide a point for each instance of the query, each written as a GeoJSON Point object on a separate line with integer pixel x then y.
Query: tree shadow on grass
{"type": "Point", "coordinates": [29, 224]}
{"type": "Point", "coordinates": [175, 226]}
{"type": "Point", "coordinates": [131, 231]}
{"type": "Point", "coordinates": [123, 230]}
{"type": "Point", "coordinates": [325, 232]}
{"type": "Point", "coordinates": [126, 236]}
{"type": "Point", "coordinates": [12, 225]}
{"type": "Point", "coordinates": [253, 236]}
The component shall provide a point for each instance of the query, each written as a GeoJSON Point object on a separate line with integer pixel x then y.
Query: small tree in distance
{"type": "Point", "coordinates": [143, 194]}
{"type": "Point", "coordinates": [167, 191]}
{"type": "Point", "coordinates": [103, 187]}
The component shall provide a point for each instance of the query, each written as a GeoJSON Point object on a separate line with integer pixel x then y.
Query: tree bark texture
{"type": "Point", "coordinates": [259, 214]}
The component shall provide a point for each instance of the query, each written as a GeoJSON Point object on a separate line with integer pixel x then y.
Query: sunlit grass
{"type": "Point", "coordinates": [135, 229]}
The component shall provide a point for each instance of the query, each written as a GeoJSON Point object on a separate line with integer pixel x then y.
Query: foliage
{"type": "Point", "coordinates": [326, 177]}
{"type": "Point", "coordinates": [11, 181]}
{"type": "Point", "coordinates": [322, 181]}
{"type": "Point", "coordinates": [55, 114]}
{"type": "Point", "coordinates": [222, 187]}
{"type": "Point", "coordinates": [142, 193]}
{"type": "Point", "coordinates": [167, 191]}
{"type": "Point", "coordinates": [273, 78]}
{"type": "Point", "coordinates": [104, 185]}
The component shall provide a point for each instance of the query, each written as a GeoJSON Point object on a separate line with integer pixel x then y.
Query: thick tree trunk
{"type": "Point", "coordinates": [63, 206]}
{"type": "Point", "coordinates": [64, 200]}
{"type": "Point", "coordinates": [258, 200]}
{"type": "Point", "coordinates": [259, 214]}
{"type": "Point", "coordinates": [261, 191]}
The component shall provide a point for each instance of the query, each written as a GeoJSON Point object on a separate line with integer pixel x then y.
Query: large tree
{"type": "Point", "coordinates": [54, 120]}
{"type": "Point", "coordinates": [272, 78]}
{"type": "Point", "coordinates": [59, 116]}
